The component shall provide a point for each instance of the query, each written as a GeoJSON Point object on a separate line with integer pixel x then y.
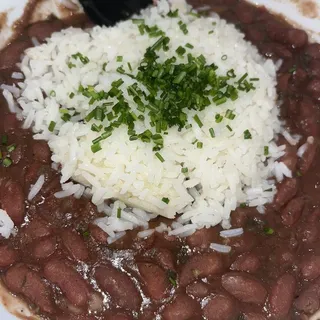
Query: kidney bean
{"type": "Point", "coordinates": [309, 299]}
{"type": "Point", "coordinates": [44, 248]}
{"type": "Point", "coordinates": [74, 244]}
{"type": "Point", "coordinates": [21, 280]}
{"type": "Point", "coordinates": [202, 238]}
{"type": "Point", "coordinates": [273, 50]}
{"type": "Point", "coordinates": [307, 119]}
{"type": "Point", "coordinates": [183, 308]}
{"type": "Point", "coordinates": [198, 289]}
{"type": "Point", "coordinates": [244, 12]}
{"type": "Point", "coordinates": [299, 77]}
{"type": "Point", "coordinates": [313, 50]}
{"type": "Point", "coordinates": [68, 280]}
{"type": "Point", "coordinates": [220, 307]}
{"type": "Point", "coordinates": [290, 157]}
{"type": "Point", "coordinates": [243, 243]}
{"type": "Point", "coordinates": [239, 217]}
{"type": "Point", "coordinates": [283, 82]}
{"type": "Point", "coordinates": [308, 158]}
{"type": "Point", "coordinates": [314, 69]}
{"type": "Point", "coordinates": [296, 38]}
{"type": "Point", "coordinates": [17, 154]}
{"type": "Point", "coordinates": [36, 229]}
{"type": "Point", "coordinates": [199, 266]}
{"type": "Point", "coordinates": [155, 279]}
{"type": "Point", "coordinates": [282, 256]}
{"type": "Point", "coordinates": [286, 191]}
{"type": "Point", "coordinates": [314, 88]}
{"type": "Point", "coordinates": [244, 287]}
{"type": "Point", "coordinates": [44, 29]}
{"type": "Point", "coordinates": [255, 35]}
{"type": "Point", "coordinates": [119, 286]}
{"type": "Point", "coordinates": [41, 152]}
{"type": "Point", "coordinates": [10, 123]}
{"type": "Point", "coordinates": [10, 55]}
{"type": "Point", "coordinates": [8, 256]}
{"type": "Point", "coordinates": [281, 295]}
{"type": "Point", "coordinates": [248, 262]}
{"type": "Point", "coordinates": [12, 200]}
{"type": "Point", "coordinates": [310, 267]}
{"type": "Point", "coordinates": [98, 234]}
{"type": "Point", "coordinates": [163, 257]}
{"type": "Point", "coordinates": [292, 212]}
{"type": "Point", "coordinates": [254, 316]}
{"type": "Point", "coordinates": [308, 232]}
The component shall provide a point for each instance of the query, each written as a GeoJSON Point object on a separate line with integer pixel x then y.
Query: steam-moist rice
{"type": "Point", "coordinates": [227, 171]}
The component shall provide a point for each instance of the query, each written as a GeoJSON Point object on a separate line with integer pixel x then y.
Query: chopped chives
{"type": "Point", "coordinates": [104, 66]}
{"type": "Point", "coordinates": [184, 170]}
{"type": "Point", "coordinates": [198, 121]}
{"type": "Point", "coordinates": [1, 155]}
{"type": "Point", "coordinates": [228, 127]}
{"type": "Point", "coordinates": [230, 115]}
{"type": "Point", "coordinates": [11, 148]}
{"type": "Point", "coordinates": [180, 51]}
{"type": "Point", "coordinates": [247, 134]}
{"type": "Point", "coordinates": [268, 231]}
{"type": "Point", "coordinates": [71, 95]}
{"type": "Point", "coordinates": [173, 14]}
{"type": "Point", "coordinates": [4, 139]}
{"type": "Point", "coordinates": [221, 101]}
{"type": "Point", "coordinates": [224, 57]}
{"type": "Point", "coordinates": [242, 78]}
{"type": "Point", "coordinates": [7, 162]}
{"type": "Point", "coordinates": [52, 93]}
{"type": "Point", "coordinates": [119, 213]}
{"type": "Point", "coordinates": [159, 156]}
{"type": "Point", "coordinates": [243, 205]}
{"type": "Point", "coordinates": [212, 133]}
{"type": "Point", "coordinates": [180, 77]}
{"type": "Point", "coordinates": [96, 128]}
{"type": "Point", "coordinates": [66, 117]}
{"type": "Point", "coordinates": [166, 200]}
{"type": "Point", "coordinates": [293, 69]}
{"type": "Point", "coordinates": [189, 45]}
{"type": "Point", "coordinates": [211, 32]}
{"type": "Point", "coordinates": [129, 66]}
{"type": "Point", "coordinates": [71, 65]}
{"type": "Point", "coordinates": [254, 79]}
{"type": "Point", "coordinates": [96, 147]}
{"type": "Point", "coordinates": [266, 150]}
{"type": "Point", "coordinates": [63, 110]}
{"type": "Point", "coordinates": [119, 58]}
{"type": "Point", "coordinates": [218, 118]}
{"type": "Point", "coordinates": [199, 145]}
{"type": "Point", "coordinates": [137, 21]}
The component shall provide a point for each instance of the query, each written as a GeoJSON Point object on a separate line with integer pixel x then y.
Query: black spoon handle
{"type": "Point", "coordinates": [109, 12]}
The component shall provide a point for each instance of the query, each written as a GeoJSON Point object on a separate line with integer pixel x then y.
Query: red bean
{"type": "Point", "coordinates": [296, 38]}
{"type": "Point", "coordinates": [74, 244]}
{"type": "Point", "coordinates": [220, 307]}
{"type": "Point", "coordinates": [7, 256]}
{"type": "Point", "coordinates": [292, 212]}
{"type": "Point", "coordinates": [313, 51]}
{"type": "Point", "coordinates": [245, 13]}
{"type": "Point", "coordinates": [283, 257]}
{"type": "Point", "coordinates": [163, 257]}
{"type": "Point", "coordinates": [299, 77]}
{"type": "Point", "coordinates": [255, 35]}
{"type": "Point", "coordinates": [41, 152]}
{"type": "Point", "coordinates": [22, 280]}
{"type": "Point", "coordinates": [243, 243]}
{"type": "Point", "coordinates": [44, 248]}
{"type": "Point", "coordinates": [308, 232]}
{"type": "Point", "coordinates": [310, 267]}
{"type": "Point", "coordinates": [309, 299]}
{"type": "Point", "coordinates": [98, 234]}
{"type": "Point", "coordinates": [36, 229]}
{"type": "Point", "coordinates": [202, 238]}
{"type": "Point", "coordinates": [290, 158]}
{"type": "Point", "coordinates": [198, 289]}
{"type": "Point", "coordinates": [155, 279]}
{"type": "Point", "coordinates": [248, 262]}
{"type": "Point", "coordinates": [314, 88]}
{"type": "Point", "coordinates": [274, 50]}
{"type": "Point", "coordinates": [10, 55]}
{"type": "Point", "coordinates": [283, 82]}
{"type": "Point", "coordinates": [281, 295]}
{"type": "Point", "coordinates": [199, 266]}
{"type": "Point", "coordinates": [10, 123]}
{"type": "Point", "coordinates": [244, 287]}
{"type": "Point", "coordinates": [305, 163]}
{"type": "Point", "coordinates": [69, 281]}
{"type": "Point", "coordinates": [12, 200]}
{"type": "Point", "coordinates": [120, 287]}
{"type": "Point", "coordinates": [286, 191]}
{"type": "Point", "coordinates": [44, 29]}
{"type": "Point", "coordinates": [17, 154]}
{"type": "Point", "coordinates": [183, 308]}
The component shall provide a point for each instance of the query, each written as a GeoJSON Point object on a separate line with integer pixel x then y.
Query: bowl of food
{"type": "Point", "coordinates": [166, 167]}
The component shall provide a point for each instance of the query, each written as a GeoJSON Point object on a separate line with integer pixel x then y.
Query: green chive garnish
{"type": "Point", "coordinates": [7, 162]}
{"type": "Point", "coordinates": [119, 213]}
{"type": "Point", "coordinates": [247, 135]}
{"type": "Point", "coordinates": [198, 121]}
{"type": "Point", "coordinates": [166, 200]}
{"type": "Point", "coordinates": [159, 156]}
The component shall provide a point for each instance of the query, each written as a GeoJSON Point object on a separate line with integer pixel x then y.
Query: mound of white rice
{"type": "Point", "coordinates": [226, 171]}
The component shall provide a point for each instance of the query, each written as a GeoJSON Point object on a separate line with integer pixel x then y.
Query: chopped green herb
{"type": "Point", "coordinates": [81, 57]}
{"type": "Point", "coordinates": [266, 150]}
{"type": "Point", "coordinates": [243, 205]}
{"type": "Point", "coordinates": [4, 139]}
{"type": "Point", "coordinates": [1, 156]}
{"type": "Point", "coordinates": [119, 58]}
{"type": "Point", "coordinates": [293, 69]}
{"type": "Point", "coordinates": [228, 127]}
{"type": "Point", "coordinates": [268, 231]}
{"type": "Point", "coordinates": [86, 234]}
{"type": "Point", "coordinates": [129, 66]}
{"type": "Point", "coordinates": [181, 51]}
{"type": "Point", "coordinates": [71, 95]}
{"type": "Point", "coordinates": [166, 200]}
{"type": "Point", "coordinates": [104, 66]}
{"type": "Point", "coordinates": [299, 174]}
{"type": "Point", "coordinates": [183, 27]}
{"type": "Point", "coordinates": [247, 134]}
{"type": "Point", "coordinates": [119, 213]}
{"type": "Point", "coordinates": [199, 145]}
{"type": "Point", "coordinates": [212, 133]}
{"type": "Point", "coordinates": [173, 14]}
{"type": "Point", "coordinates": [211, 32]}
{"type": "Point", "coordinates": [52, 93]}
{"type": "Point", "coordinates": [7, 162]}
{"type": "Point", "coordinates": [184, 170]}
{"type": "Point", "coordinates": [66, 117]}
{"type": "Point", "coordinates": [254, 79]}
{"type": "Point", "coordinates": [189, 45]}
{"type": "Point", "coordinates": [159, 156]}
{"type": "Point", "coordinates": [242, 78]}
{"type": "Point", "coordinates": [52, 125]}
{"type": "Point", "coordinates": [137, 21]}
{"type": "Point", "coordinates": [71, 65]}
{"type": "Point", "coordinates": [230, 115]}
{"type": "Point", "coordinates": [11, 148]}
{"type": "Point", "coordinates": [172, 276]}
{"type": "Point", "coordinates": [96, 147]}
{"type": "Point", "coordinates": [224, 57]}
{"type": "Point", "coordinates": [218, 118]}
{"type": "Point", "coordinates": [198, 121]}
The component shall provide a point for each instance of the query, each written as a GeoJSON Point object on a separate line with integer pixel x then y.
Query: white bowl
{"type": "Point", "coordinates": [299, 12]}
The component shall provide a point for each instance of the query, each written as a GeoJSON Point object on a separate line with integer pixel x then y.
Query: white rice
{"type": "Point", "coordinates": [220, 248]}
{"type": "Point", "coordinates": [231, 233]}
{"type": "Point", "coordinates": [145, 233]}
{"type": "Point", "coordinates": [17, 75]}
{"type": "Point", "coordinates": [292, 139]}
{"type": "Point", "coordinates": [304, 147]}
{"type": "Point", "coordinates": [35, 189]}
{"type": "Point", "coordinates": [6, 224]}
{"type": "Point", "coordinates": [227, 171]}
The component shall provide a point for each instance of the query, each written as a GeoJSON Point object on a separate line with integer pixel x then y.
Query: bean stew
{"type": "Point", "coordinates": [61, 265]}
